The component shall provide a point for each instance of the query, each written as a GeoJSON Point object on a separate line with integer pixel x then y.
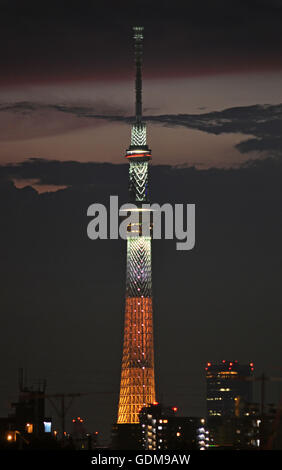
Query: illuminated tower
{"type": "Point", "coordinates": [137, 386]}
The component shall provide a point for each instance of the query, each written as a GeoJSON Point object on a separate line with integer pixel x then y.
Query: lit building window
{"type": "Point", "coordinates": [47, 426]}
{"type": "Point", "coordinates": [29, 428]}
{"type": "Point", "coordinates": [11, 436]}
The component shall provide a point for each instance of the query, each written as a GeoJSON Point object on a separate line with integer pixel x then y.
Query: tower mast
{"type": "Point", "coordinates": [137, 385]}
{"type": "Point", "coordinates": [138, 51]}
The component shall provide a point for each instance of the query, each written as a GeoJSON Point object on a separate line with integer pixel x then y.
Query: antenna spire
{"type": "Point", "coordinates": [138, 52]}
{"type": "Point", "coordinates": [138, 149]}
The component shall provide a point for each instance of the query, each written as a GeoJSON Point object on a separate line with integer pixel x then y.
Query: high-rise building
{"type": "Point", "coordinates": [227, 382]}
{"type": "Point", "coordinates": [163, 430]}
{"type": "Point", "coordinates": [229, 393]}
{"type": "Point", "coordinates": [137, 385]}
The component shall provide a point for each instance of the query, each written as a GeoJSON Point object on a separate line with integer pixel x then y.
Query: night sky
{"type": "Point", "coordinates": [212, 98]}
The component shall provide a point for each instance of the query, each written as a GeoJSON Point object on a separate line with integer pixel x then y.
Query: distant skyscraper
{"type": "Point", "coordinates": [229, 394]}
{"type": "Point", "coordinates": [137, 386]}
{"type": "Point", "coordinates": [228, 382]}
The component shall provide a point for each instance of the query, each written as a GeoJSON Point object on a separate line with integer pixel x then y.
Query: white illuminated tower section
{"type": "Point", "coordinates": [137, 386]}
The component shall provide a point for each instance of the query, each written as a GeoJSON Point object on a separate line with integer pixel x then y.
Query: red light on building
{"type": "Point", "coordinates": [155, 403]}
{"type": "Point", "coordinates": [174, 408]}
{"type": "Point", "coordinates": [208, 364]}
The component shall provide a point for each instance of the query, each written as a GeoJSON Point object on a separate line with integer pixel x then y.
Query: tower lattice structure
{"type": "Point", "coordinates": [137, 385]}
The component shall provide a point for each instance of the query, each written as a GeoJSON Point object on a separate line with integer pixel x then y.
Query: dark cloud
{"type": "Point", "coordinates": [108, 175]}
{"type": "Point", "coordinates": [271, 145]}
{"type": "Point", "coordinates": [98, 109]}
{"type": "Point", "coordinates": [27, 120]}
{"type": "Point", "coordinates": [263, 122]}
{"type": "Point", "coordinates": [65, 173]}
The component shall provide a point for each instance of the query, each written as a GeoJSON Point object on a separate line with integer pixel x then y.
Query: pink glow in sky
{"type": "Point", "coordinates": [46, 132]}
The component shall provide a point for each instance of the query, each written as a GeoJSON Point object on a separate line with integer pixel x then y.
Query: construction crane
{"type": "Point", "coordinates": [61, 402]}
{"type": "Point", "coordinates": [65, 402]}
{"type": "Point", "coordinates": [64, 407]}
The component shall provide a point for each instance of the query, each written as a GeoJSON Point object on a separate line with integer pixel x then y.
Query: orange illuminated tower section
{"type": "Point", "coordinates": [137, 385]}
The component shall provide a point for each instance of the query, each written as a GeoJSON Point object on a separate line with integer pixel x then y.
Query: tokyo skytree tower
{"type": "Point", "coordinates": [137, 385]}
